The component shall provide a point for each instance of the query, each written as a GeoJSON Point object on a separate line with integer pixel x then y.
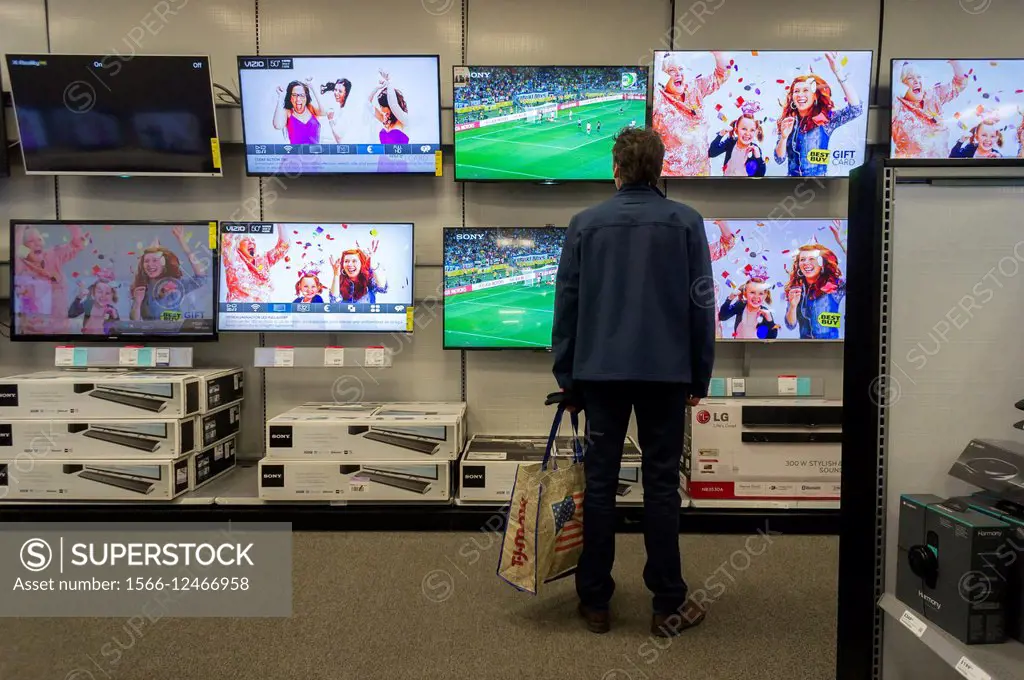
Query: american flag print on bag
{"type": "Point", "coordinates": [568, 515]}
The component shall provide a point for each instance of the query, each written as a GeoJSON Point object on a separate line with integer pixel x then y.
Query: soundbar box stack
{"type": "Point", "coordinates": [373, 452]}
{"type": "Point", "coordinates": [763, 449]}
{"type": "Point", "coordinates": [487, 469]}
{"type": "Point", "coordinates": [115, 434]}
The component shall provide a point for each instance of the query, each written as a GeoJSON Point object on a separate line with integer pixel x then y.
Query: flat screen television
{"type": "Point", "coordinates": [543, 123]}
{"type": "Point", "coordinates": [499, 286]}
{"type": "Point", "coordinates": [336, 115]}
{"type": "Point", "coordinates": [779, 279]}
{"type": "Point", "coordinates": [334, 277]}
{"type": "Point", "coordinates": [104, 115]}
{"type": "Point", "coordinates": [95, 281]}
{"type": "Point", "coordinates": [764, 113]}
{"type": "Point", "coordinates": [960, 109]}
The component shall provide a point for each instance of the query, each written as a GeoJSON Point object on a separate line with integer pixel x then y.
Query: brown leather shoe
{"type": "Point", "coordinates": [670, 625]}
{"type": "Point", "coordinates": [598, 620]}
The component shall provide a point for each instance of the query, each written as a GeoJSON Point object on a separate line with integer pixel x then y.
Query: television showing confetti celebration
{"type": "Point", "coordinates": [341, 115]}
{"type": "Point", "coordinates": [779, 280]}
{"type": "Point", "coordinates": [543, 123]}
{"type": "Point", "coordinates": [499, 286]}
{"type": "Point", "coordinates": [761, 113]}
{"type": "Point", "coordinates": [112, 280]}
{"type": "Point", "coordinates": [957, 108]}
{"type": "Point", "coordinates": [316, 277]}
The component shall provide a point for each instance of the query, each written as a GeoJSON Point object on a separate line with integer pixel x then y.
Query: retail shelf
{"type": "Point", "coordinates": [320, 357]}
{"type": "Point", "coordinates": [975, 662]}
{"type": "Point", "coordinates": [763, 387]}
{"type": "Point", "coordinates": [737, 504]}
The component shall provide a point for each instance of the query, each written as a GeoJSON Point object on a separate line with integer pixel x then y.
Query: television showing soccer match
{"type": "Point", "coordinates": [499, 286]}
{"type": "Point", "coordinates": [762, 113]}
{"type": "Point", "coordinates": [336, 277]}
{"type": "Point", "coordinates": [779, 280]}
{"type": "Point", "coordinates": [108, 115]}
{"type": "Point", "coordinates": [957, 108]}
{"type": "Point", "coordinates": [98, 281]}
{"type": "Point", "coordinates": [340, 115]}
{"type": "Point", "coordinates": [543, 123]}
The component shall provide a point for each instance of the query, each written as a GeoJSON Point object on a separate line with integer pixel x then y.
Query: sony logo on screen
{"type": "Point", "coordinates": [479, 74]}
{"type": "Point", "coordinates": [469, 237]}
{"type": "Point", "coordinates": [254, 63]}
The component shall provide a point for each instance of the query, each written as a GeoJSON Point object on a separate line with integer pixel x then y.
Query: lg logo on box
{"type": "Point", "coordinates": [469, 237]}
{"type": "Point", "coordinates": [705, 417]}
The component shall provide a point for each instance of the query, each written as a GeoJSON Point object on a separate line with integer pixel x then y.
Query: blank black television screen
{"type": "Point", "coordinates": [4, 162]}
{"type": "Point", "coordinates": [104, 115]}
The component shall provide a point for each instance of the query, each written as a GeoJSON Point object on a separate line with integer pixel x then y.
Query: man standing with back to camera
{"type": "Point", "coordinates": [634, 331]}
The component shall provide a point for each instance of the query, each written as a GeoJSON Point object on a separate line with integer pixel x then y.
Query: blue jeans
{"type": "Point", "coordinates": [660, 416]}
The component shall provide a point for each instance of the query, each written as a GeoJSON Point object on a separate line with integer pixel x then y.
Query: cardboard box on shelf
{"type": "Point", "coordinates": [97, 438]}
{"type": "Point", "coordinates": [412, 431]}
{"type": "Point", "coordinates": [369, 481]}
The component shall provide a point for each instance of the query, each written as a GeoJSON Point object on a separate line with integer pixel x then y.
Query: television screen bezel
{"type": "Point", "coordinates": [412, 279]}
{"type": "Point", "coordinates": [538, 180]}
{"type": "Point", "coordinates": [440, 110]}
{"type": "Point", "coordinates": [444, 301]}
{"type": "Point", "coordinates": [5, 155]}
{"type": "Point", "coordinates": [944, 162]}
{"type": "Point", "coordinates": [125, 339]}
{"type": "Point", "coordinates": [798, 341]}
{"type": "Point", "coordinates": [801, 178]}
{"type": "Point", "coordinates": [218, 172]}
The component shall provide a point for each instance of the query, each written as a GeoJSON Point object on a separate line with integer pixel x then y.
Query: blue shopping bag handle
{"type": "Point", "coordinates": [577, 445]}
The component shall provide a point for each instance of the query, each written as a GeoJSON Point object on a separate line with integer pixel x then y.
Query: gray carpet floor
{"type": "Point", "coordinates": [418, 605]}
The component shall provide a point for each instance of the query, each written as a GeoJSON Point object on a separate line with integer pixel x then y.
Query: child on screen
{"type": "Point", "coordinates": [743, 157]}
{"type": "Point", "coordinates": [308, 288]}
{"type": "Point", "coordinates": [98, 304]}
{"type": "Point", "coordinates": [750, 306]}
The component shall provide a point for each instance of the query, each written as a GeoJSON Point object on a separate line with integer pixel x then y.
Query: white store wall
{"type": "Point", "coordinates": [505, 389]}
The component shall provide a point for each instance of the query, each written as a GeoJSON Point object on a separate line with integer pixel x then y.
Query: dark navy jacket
{"type": "Point", "coordinates": [634, 295]}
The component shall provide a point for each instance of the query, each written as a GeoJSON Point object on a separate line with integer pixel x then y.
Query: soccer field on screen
{"type": "Point", "coordinates": [537, 151]}
{"type": "Point", "coordinates": [510, 316]}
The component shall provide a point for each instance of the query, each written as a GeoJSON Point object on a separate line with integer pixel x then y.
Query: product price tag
{"type": "Point", "coordinates": [145, 357]}
{"type": "Point", "coordinates": [788, 385]}
{"type": "Point", "coordinates": [970, 670]}
{"type": "Point", "coordinates": [65, 356]}
{"type": "Point", "coordinates": [913, 624]}
{"type": "Point", "coordinates": [284, 357]}
{"type": "Point", "coordinates": [739, 387]}
{"type": "Point", "coordinates": [374, 357]}
{"type": "Point", "coordinates": [128, 356]}
{"type": "Point", "coordinates": [334, 356]}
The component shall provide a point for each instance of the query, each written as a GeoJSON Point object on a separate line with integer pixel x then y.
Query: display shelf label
{"type": "Point", "coordinates": [133, 355]}
{"type": "Point", "coordinates": [334, 356]}
{"type": "Point", "coordinates": [970, 670]}
{"type": "Point", "coordinates": [739, 387]}
{"type": "Point", "coordinates": [284, 357]}
{"type": "Point", "coordinates": [717, 387]}
{"type": "Point", "coordinates": [788, 385]}
{"type": "Point", "coordinates": [65, 356]}
{"type": "Point", "coordinates": [163, 356]}
{"type": "Point", "coordinates": [374, 357]}
{"type": "Point", "coordinates": [913, 624]}
{"type": "Point", "coordinates": [438, 163]}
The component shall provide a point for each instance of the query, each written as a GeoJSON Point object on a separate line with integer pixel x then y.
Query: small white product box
{"type": "Point", "coordinates": [367, 481]}
{"type": "Point", "coordinates": [208, 465]}
{"type": "Point", "coordinates": [487, 470]}
{"type": "Point", "coordinates": [220, 424]}
{"type": "Point", "coordinates": [411, 431]}
{"type": "Point", "coordinates": [103, 393]}
{"type": "Point", "coordinates": [219, 387]}
{"type": "Point", "coordinates": [27, 440]}
{"type": "Point", "coordinates": [767, 449]}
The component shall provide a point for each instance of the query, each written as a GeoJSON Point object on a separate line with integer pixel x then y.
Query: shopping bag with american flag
{"type": "Point", "coordinates": [544, 531]}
